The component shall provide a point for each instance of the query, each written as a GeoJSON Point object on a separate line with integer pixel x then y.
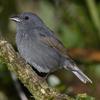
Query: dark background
{"type": "Point", "coordinates": [77, 23]}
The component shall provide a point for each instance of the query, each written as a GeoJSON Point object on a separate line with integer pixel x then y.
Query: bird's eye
{"type": "Point", "coordinates": [26, 17]}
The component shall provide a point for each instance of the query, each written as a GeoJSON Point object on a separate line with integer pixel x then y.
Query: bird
{"type": "Point", "coordinates": [41, 48]}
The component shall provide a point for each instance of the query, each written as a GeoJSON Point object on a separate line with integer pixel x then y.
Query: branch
{"type": "Point", "coordinates": [37, 87]}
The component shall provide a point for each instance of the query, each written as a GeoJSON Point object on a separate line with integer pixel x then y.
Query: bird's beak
{"type": "Point", "coordinates": [15, 18]}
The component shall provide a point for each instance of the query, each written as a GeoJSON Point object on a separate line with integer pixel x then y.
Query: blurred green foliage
{"type": "Point", "coordinates": [6, 9]}
{"type": "Point", "coordinates": [84, 97]}
{"type": "Point", "coordinates": [76, 22]}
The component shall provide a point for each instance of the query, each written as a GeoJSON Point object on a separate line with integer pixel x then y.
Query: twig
{"type": "Point", "coordinates": [18, 87]}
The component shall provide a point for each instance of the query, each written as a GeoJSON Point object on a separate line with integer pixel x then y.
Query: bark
{"type": "Point", "coordinates": [37, 87]}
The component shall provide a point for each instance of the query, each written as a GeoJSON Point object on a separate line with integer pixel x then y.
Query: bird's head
{"type": "Point", "coordinates": [27, 20]}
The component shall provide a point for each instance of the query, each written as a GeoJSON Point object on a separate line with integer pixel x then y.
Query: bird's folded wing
{"type": "Point", "coordinates": [48, 38]}
{"type": "Point", "coordinates": [53, 42]}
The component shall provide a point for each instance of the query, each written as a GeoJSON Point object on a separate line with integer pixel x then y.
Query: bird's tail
{"type": "Point", "coordinates": [70, 65]}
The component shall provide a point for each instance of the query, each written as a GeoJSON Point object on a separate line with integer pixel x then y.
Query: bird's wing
{"type": "Point", "coordinates": [53, 42]}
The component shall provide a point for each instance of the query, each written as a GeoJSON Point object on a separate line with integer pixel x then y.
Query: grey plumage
{"type": "Point", "coordinates": [39, 46]}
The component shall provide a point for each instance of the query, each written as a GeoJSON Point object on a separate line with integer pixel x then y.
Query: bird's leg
{"type": "Point", "coordinates": [46, 76]}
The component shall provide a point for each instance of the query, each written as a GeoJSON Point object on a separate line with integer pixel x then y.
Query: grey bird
{"type": "Point", "coordinates": [38, 45]}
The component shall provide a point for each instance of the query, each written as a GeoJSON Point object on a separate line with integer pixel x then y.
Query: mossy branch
{"type": "Point", "coordinates": [37, 87]}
